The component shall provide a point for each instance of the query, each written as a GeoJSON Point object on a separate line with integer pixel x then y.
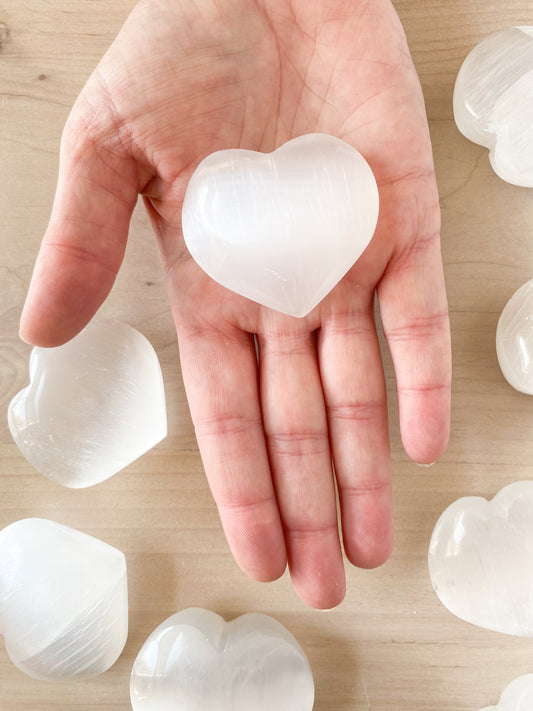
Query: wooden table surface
{"type": "Point", "coordinates": [391, 644]}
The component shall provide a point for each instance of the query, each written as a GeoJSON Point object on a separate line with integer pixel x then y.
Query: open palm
{"type": "Point", "coordinates": [276, 427]}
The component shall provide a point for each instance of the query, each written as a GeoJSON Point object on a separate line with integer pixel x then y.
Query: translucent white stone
{"type": "Point", "coordinates": [481, 558]}
{"type": "Point", "coordinates": [281, 228]}
{"type": "Point", "coordinates": [493, 102]}
{"type": "Point", "coordinates": [93, 405]}
{"type": "Point", "coordinates": [196, 661]}
{"type": "Point", "coordinates": [517, 696]}
{"type": "Point", "coordinates": [514, 339]}
{"type": "Point", "coordinates": [63, 600]}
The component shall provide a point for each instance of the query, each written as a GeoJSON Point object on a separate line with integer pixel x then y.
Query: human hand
{"type": "Point", "coordinates": [182, 80]}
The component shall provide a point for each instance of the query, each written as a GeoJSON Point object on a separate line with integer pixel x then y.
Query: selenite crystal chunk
{"type": "Point", "coordinates": [281, 228]}
{"type": "Point", "coordinates": [63, 600]}
{"type": "Point", "coordinates": [493, 101]}
{"type": "Point", "coordinates": [517, 696]}
{"type": "Point", "coordinates": [93, 405]}
{"type": "Point", "coordinates": [196, 661]}
{"type": "Point", "coordinates": [481, 558]}
{"type": "Point", "coordinates": [514, 339]}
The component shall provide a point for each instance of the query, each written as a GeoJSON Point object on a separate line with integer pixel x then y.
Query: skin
{"type": "Point", "coordinates": [277, 433]}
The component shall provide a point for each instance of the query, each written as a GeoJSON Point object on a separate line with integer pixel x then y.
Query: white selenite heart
{"type": "Point", "coordinates": [493, 102]}
{"type": "Point", "coordinates": [481, 558]}
{"type": "Point", "coordinates": [281, 228]}
{"type": "Point", "coordinates": [93, 405]}
{"type": "Point", "coordinates": [517, 696]}
{"type": "Point", "coordinates": [63, 600]}
{"type": "Point", "coordinates": [196, 661]}
{"type": "Point", "coordinates": [514, 339]}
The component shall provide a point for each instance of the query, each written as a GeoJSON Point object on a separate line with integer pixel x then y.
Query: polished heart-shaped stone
{"type": "Point", "coordinates": [195, 661]}
{"type": "Point", "coordinates": [63, 600]}
{"type": "Point", "coordinates": [93, 405]}
{"type": "Point", "coordinates": [514, 339]}
{"type": "Point", "coordinates": [493, 101]}
{"type": "Point", "coordinates": [481, 558]}
{"type": "Point", "coordinates": [517, 696]}
{"type": "Point", "coordinates": [281, 228]}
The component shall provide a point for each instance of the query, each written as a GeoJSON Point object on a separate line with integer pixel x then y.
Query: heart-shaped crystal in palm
{"type": "Point", "coordinates": [63, 600]}
{"type": "Point", "coordinates": [93, 405]}
{"type": "Point", "coordinates": [281, 228]}
{"type": "Point", "coordinates": [196, 661]}
{"type": "Point", "coordinates": [481, 557]}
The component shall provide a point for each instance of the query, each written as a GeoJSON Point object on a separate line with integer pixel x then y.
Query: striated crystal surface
{"type": "Point", "coordinates": [196, 661]}
{"type": "Point", "coordinates": [63, 600]}
{"type": "Point", "coordinates": [517, 696]}
{"type": "Point", "coordinates": [481, 557]}
{"type": "Point", "coordinates": [514, 339]}
{"type": "Point", "coordinates": [493, 101]}
{"type": "Point", "coordinates": [281, 228]}
{"type": "Point", "coordinates": [93, 405]}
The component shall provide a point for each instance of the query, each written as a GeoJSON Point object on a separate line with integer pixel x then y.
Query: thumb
{"type": "Point", "coordinates": [84, 243]}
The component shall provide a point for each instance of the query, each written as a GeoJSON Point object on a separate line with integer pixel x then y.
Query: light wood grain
{"type": "Point", "coordinates": [391, 644]}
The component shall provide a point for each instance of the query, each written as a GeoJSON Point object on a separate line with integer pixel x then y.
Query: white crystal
{"type": "Point", "coordinates": [281, 228]}
{"type": "Point", "coordinates": [493, 101]}
{"type": "Point", "coordinates": [196, 661]}
{"type": "Point", "coordinates": [481, 558]}
{"type": "Point", "coordinates": [517, 696]}
{"type": "Point", "coordinates": [514, 339]}
{"type": "Point", "coordinates": [93, 405]}
{"type": "Point", "coordinates": [63, 600]}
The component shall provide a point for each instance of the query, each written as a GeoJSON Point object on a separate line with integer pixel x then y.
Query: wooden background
{"type": "Point", "coordinates": [391, 644]}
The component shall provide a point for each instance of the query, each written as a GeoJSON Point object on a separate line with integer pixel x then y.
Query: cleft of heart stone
{"type": "Point", "coordinates": [281, 228]}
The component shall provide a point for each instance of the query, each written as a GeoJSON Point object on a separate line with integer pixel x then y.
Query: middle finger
{"type": "Point", "coordinates": [296, 429]}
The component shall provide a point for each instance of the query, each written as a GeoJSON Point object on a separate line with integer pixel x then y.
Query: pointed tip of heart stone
{"type": "Point", "coordinates": [281, 228]}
